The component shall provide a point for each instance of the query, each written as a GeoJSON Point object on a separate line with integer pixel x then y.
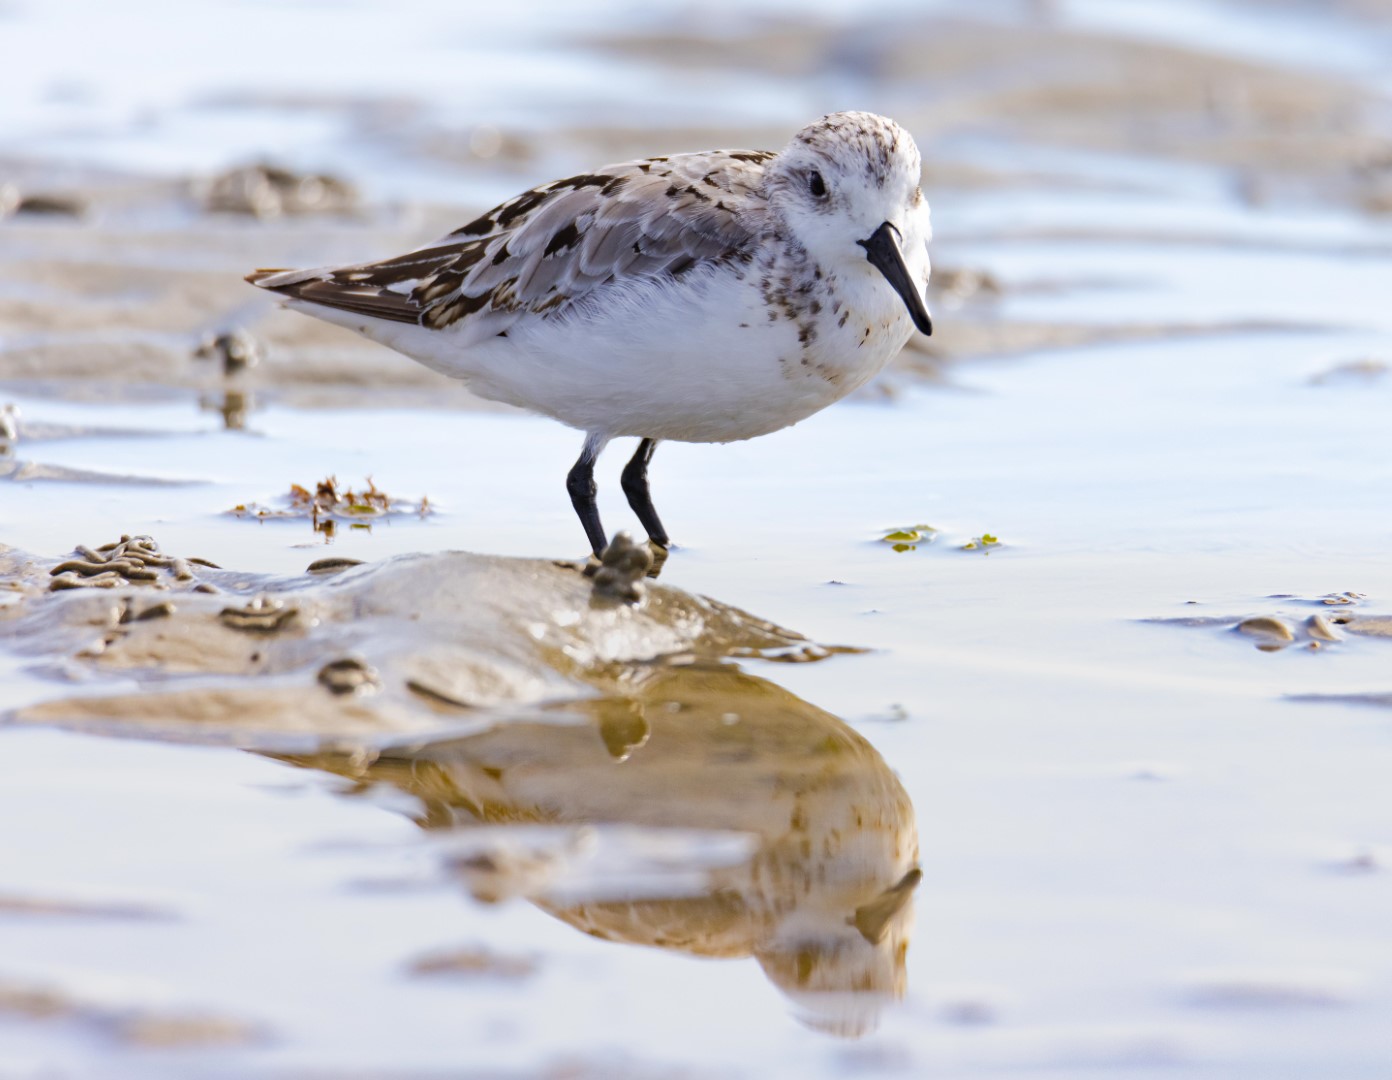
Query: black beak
{"type": "Point", "coordinates": [882, 250]}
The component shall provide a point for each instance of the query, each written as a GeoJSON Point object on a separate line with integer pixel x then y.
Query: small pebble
{"type": "Point", "coordinates": [1266, 626]}
{"type": "Point", "coordinates": [234, 350]}
{"type": "Point", "coordinates": [261, 615]}
{"type": "Point", "coordinates": [621, 569]}
{"type": "Point", "coordinates": [325, 566]}
{"type": "Point", "coordinates": [348, 675]}
{"type": "Point", "coordinates": [1317, 626]}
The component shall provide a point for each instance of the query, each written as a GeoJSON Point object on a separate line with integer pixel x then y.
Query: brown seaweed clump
{"type": "Point", "coordinates": [270, 191]}
{"type": "Point", "coordinates": [331, 502]}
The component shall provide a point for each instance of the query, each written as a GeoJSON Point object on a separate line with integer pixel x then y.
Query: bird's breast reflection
{"type": "Point", "coordinates": [823, 902]}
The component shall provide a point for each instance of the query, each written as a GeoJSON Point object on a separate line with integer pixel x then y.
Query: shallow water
{"type": "Point", "coordinates": [1088, 785]}
{"type": "Point", "coordinates": [1138, 850]}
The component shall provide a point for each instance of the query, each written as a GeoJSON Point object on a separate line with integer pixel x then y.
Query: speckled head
{"type": "Point", "coordinates": [876, 144]}
{"type": "Point", "coordinates": [846, 188]}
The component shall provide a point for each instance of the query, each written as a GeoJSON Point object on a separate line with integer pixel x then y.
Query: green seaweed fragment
{"type": "Point", "coordinates": [909, 537]}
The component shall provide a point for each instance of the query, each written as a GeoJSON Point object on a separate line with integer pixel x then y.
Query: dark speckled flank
{"type": "Point", "coordinates": [793, 287]}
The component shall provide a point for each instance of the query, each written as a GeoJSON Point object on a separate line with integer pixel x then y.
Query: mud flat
{"type": "Point", "coordinates": [503, 692]}
{"type": "Point", "coordinates": [1103, 795]}
{"type": "Point", "coordinates": [349, 651]}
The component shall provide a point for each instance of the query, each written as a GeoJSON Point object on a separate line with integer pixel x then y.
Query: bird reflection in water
{"type": "Point", "coordinates": [824, 901]}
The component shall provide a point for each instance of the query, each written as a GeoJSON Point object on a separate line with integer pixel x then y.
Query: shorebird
{"type": "Point", "coordinates": [699, 297]}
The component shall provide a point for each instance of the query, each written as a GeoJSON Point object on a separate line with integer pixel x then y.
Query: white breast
{"type": "Point", "coordinates": [692, 360]}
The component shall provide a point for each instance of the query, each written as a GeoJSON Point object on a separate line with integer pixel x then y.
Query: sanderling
{"type": "Point", "coordinates": [704, 297]}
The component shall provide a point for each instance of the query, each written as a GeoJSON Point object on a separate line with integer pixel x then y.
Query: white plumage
{"type": "Point", "coordinates": [702, 297]}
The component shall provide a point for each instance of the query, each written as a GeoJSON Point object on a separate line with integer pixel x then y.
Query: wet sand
{"type": "Point", "coordinates": [1107, 794]}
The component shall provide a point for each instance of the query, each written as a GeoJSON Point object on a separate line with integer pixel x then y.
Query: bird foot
{"type": "Point", "coordinates": [619, 571]}
{"type": "Point", "coordinates": [659, 553]}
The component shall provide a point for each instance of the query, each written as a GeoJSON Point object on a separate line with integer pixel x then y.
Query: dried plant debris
{"type": "Point", "coordinates": [132, 560]}
{"type": "Point", "coordinates": [1312, 630]}
{"type": "Point", "coordinates": [270, 191]}
{"type": "Point", "coordinates": [330, 503]}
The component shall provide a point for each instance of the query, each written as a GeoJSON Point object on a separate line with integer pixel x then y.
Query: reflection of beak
{"type": "Point", "coordinates": [873, 919]}
{"type": "Point", "coordinates": [883, 252]}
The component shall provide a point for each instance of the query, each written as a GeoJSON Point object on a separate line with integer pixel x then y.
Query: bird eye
{"type": "Point", "coordinates": [816, 185]}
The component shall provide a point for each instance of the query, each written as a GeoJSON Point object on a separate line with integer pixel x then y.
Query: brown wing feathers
{"type": "Point", "coordinates": [638, 219]}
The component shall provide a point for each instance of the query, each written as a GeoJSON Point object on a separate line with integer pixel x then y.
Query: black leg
{"type": "Point", "coordinates": [635, 485]}
{"type": "Point", "coordinates": [580, 483]}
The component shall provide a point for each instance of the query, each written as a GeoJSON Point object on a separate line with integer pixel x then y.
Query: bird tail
{"type": "Point", "coordinates": [282, 278]}
{"type": "Point", "coordinates": [318, 287]}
